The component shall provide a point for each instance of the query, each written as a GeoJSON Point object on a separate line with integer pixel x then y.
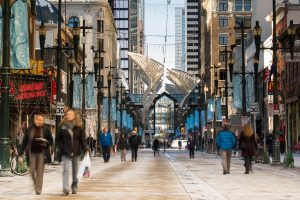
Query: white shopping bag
{"type": "Point", "coordinates": [85, 167]}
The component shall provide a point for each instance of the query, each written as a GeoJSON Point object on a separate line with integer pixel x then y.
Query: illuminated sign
{"type": "Point", "coordinates": [29, 89]}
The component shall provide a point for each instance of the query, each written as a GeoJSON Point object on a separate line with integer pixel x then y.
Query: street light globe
{"type": "Point", "coordinates": [291, 29]}
{"type": "Point", "coordinates": [257, 29]}
{"type": "Point", "coordinates": [109, 77]}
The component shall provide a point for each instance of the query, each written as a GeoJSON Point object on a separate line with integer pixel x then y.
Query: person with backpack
{"type": "Point", "coordinates": [226, 142]}
{"type": "Point", "coordinates": [134, 142]}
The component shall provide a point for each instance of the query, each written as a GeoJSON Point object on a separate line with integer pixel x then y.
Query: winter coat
{"type": "Point", "coordinates": [248, 145]}
{"type": "Point", "coordinates": [122, 143]}
{"type": "Point", "coordinates": [27, 139]}
{"type": "Point", "coordinates": [191, 144]}
{"type": "Point", "coordinates": [106, 139]}
{"type": "Point", "coordinates": [134, 141]}
{"type": "Point", "coordinates": [226, 140]}
{"type": "Point", "coordinates": [69, 145]}
{"type": "Point", "coordinates": [155, 145]}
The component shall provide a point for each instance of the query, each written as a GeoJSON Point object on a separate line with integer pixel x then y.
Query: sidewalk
{"type": "Point", "coordinates": [170, 176]}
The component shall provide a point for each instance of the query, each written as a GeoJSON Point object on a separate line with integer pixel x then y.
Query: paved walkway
{"type": "Point", "coordinates": [171, 176]}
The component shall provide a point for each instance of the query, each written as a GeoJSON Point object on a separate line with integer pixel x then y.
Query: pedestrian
{"type": "Point", "coordinates": [269, 142]}
{"type": "Point", "coordinates": [70, 142]}
{"type": "Point", "coordinates": [134, 142]}
{"type": "Point", "coordinates": [36, 139]}
{"type": "Point", "coordinates": [123, 146]}
{"type": "Point", "coordinates": [106, 144]}
{"type": "Point", "coordinates": [191, 146]}
{"type": "Point", "coordinates": [90, 143]}
{"type": "Point", "coordinates": [248, 146]}
{"type": "Point", "coordinates": [226, 143]}
{"type": "Point", "coordinates": [179, 144]}
{"type": "Point", "coordinates": [155, 146]}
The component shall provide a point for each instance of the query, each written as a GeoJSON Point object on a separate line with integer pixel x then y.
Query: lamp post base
{"type": "Point", "coordinates": [276, 154]}
{"type": "Point", "coordinates": [4, 157]}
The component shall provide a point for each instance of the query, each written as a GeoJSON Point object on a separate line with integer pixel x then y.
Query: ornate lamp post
{"type": "Point", "coordinates": [109, 79]}
{"type": "Point", "coordinates": [291, 36]}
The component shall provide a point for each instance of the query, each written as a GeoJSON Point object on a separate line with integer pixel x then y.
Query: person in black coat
{"type": "Point", "coordinates": [155, 146]}
{"type": "Point", "coordinates": [71, 143]}
{"type": "Point", "coordinates": [248, 146]}
{"type": "Point", "coordinates": [191, 146]}
{"type": "Point", "coordinates": [122, 144]}
{"type": "Point", "coordinates": [134, 142]}
{"type": "Point", "coordinates": [36, 140]}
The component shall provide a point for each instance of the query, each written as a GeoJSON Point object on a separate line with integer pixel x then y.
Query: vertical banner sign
{"type": "Point", "coordinates": [203, 120]}
{"type": "Point", "coordinates": [119, 118]}
{"type": "Point", "coordinates": [19, 36]}
{"type": "Point", "coordinates": [192, 121]}
{"type": "Point", "coordinates": [90, 102]}
{"type": "Point", "coordinates": [237, 95]}
{"type": "Point", "coordinates": [197, 119]}
{"type": "Point", "coordinates": [124, 118]}
{"type": "Point", "coordinates": [219, 109]}
{"type": "Point", "coordinates": [210, 110]}
{"type": "Point", "coordinates": [270, 87]}
{"type": "Point", "coordinates": [105, 109]}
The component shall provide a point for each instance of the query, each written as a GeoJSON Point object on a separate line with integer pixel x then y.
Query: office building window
{"type": "Point", "coordinates": [238, 5]}
{"type": "Point", "coordinates": [222, 74]}
{"type": "Point", "coordinates": [247, 5]}
{"type": "Point", "coordinates": [223, 21]}
{"type": "Point", "coordinates": [223, 38]}
{"type": "Point", "coordinates": [238, 39]}
{"type": "Point", "coordinates": [73, 22]}
{"type": "Point", "coordinates": [223, 5]}
{"type": "Point", "coordinates": [222, 57]}
{"type": "Point", "coordinates": [100, 26]}
{"type": "Point", "coordinates": [246, 19]}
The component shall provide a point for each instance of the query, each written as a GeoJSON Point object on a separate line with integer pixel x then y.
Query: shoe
{"type": "Point", "coordinates": [66, 193]}
{"type": "Point", "coordinates": [227, 172]}
{"type": "Point", "coordinates": [224, 173]}
{"type": "Point", "coordinates": [38, 193]}
{"type": "Point", "coordinates": [74, 191]}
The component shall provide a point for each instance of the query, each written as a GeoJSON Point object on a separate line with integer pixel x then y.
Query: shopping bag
{"type": "Point", "coordinates": [85, 167]}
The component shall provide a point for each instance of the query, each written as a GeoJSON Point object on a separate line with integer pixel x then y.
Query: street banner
{"type": "Point", "coordinates": [210, 110]}
{"type": "Point", "coordinates": [197, 119]}
{"type": "Point", "coordinates": [218, 109]}
{"type": "Point", "coordinates": [89, 92]}
{"type": "Point", "coordinates": [237, 95]}
{"type": "Point", "coordinates": [270, 87]}
{"type": "Point", "coordinates": [203, 120]}
{"type": "Point", "coordinates": [19, 36]}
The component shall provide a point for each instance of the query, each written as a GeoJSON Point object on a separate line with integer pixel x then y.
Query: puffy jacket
{"type": "Point", "coordinates": [226, 140]}
{"type": "Point", "coordinates": [68, 145]}
{"type": "Point", "coordinates": [106, 139]}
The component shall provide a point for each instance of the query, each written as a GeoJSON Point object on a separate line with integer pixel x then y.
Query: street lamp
{"type": "Point", "coordinates": [71, 63]}
{"type": "Point", "coordinates": [275, 48]}
{"type": "Point", "coordinates": [42, 37]}
{"type": "Point", "coordinates": [109, 79]}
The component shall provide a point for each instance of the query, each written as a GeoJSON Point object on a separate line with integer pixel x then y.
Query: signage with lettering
{"type": "Point", "coordinates": [28, 89]}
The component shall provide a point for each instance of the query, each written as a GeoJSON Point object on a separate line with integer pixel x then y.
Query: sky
{"type": "Point", "coordinates": [155, 30]}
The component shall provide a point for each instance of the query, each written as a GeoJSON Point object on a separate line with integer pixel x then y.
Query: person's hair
{"type": "Point", "coordinates": [78, 120]}
{"type": "Point", "coordinates": [39, 115]}
{"type": "Point", "coordinates": [248, 132]}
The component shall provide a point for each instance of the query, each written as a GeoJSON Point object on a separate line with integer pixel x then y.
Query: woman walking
{"type": "Point", "coordinates": [122, 146]}
{"type": "Point", "coordinates": [70, 142]}
{"type": "Point", "coordinates": [191, 146]}
{"type": "Point", "coordinates": [248, 146]}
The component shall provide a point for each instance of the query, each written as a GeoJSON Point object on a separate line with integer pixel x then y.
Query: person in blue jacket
{"type": "Point", "coordinates": [226, 142]}
{"type": "Point", "coordinates": [106, 144]}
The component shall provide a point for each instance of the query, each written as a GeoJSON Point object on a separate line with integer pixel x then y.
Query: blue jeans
{"type": "Point", "coordinates": [66, 167]}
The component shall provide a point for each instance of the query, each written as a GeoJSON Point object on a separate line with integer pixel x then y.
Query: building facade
{"type": "Point", "coordinates": [180, 47]}
{"type": "Point", "coordinates": [101, 35]}
{"type": "Point", "coordinates": [192, 36]}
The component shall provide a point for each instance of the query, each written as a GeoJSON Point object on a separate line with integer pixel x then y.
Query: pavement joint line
{"type": "Point", "coordinates": [182, 168]}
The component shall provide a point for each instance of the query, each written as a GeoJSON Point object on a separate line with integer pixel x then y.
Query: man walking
{"type": "Point", "coordinates": [37, 138]}
{"type": "Point", "coordinates": [106, 144]}
{"type": "Point", "coordinates": [226, 143]}
{"type": "Point", "coordinates": [134, 142]}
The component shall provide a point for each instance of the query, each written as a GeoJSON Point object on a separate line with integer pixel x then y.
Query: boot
{"type": "Point", "coordinates": [247, 168]}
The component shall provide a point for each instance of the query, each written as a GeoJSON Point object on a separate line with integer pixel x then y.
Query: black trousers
{"type": "Point", "coordinates": [134, 153]}
{"type": "Point", "coordinates": [192, 152]}
{"type": "Point", "coordinates": [106, 153]}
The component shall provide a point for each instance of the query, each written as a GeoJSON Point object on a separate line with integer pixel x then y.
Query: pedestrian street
{"type": "Point", "coordinates": [172, 175]}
